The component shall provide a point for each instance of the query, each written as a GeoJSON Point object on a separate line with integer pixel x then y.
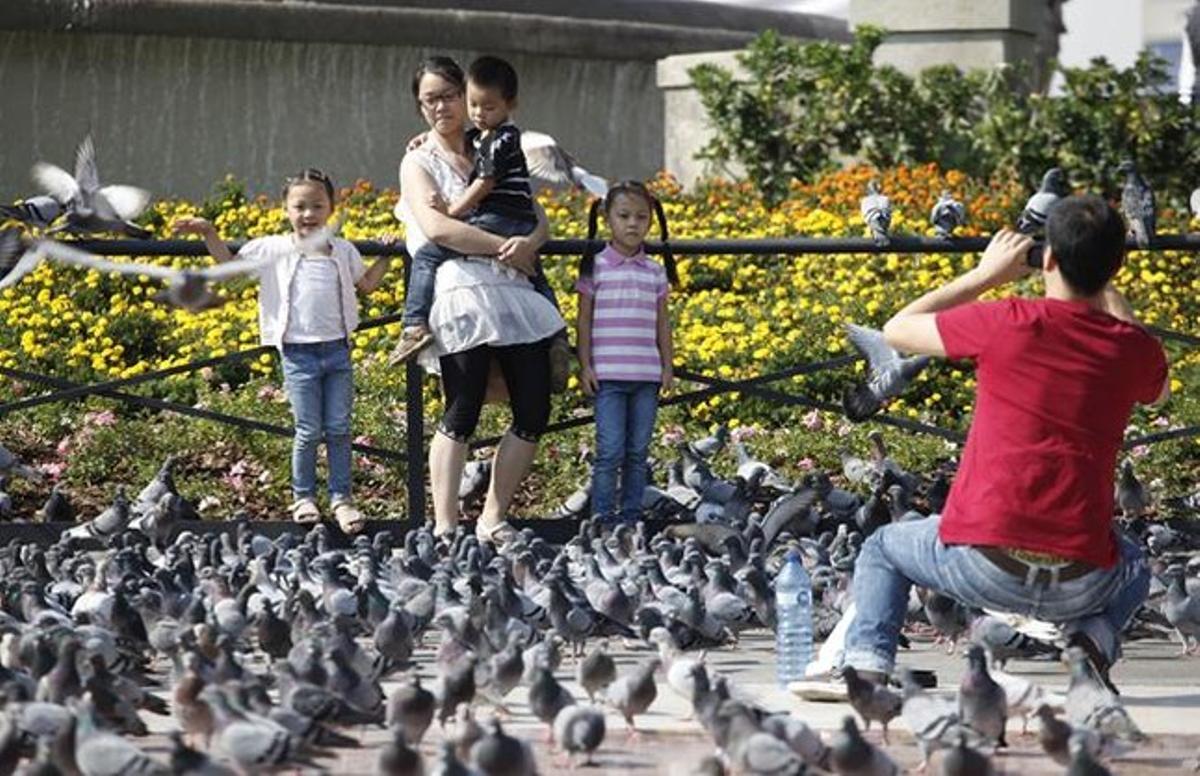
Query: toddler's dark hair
{"type": "Point", "coordinates": [587, 265]}
{"type": "Point", "coordinates": [310, 174]}
{"type": "Point", "coordinates": [494, 73]}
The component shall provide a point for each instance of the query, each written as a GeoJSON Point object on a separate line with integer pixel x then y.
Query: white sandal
{"type": "Point", "coordinates": [305, 510]}
{"type": "Point", "coordinates": [499, 534]}
{"type": "Point", "coordinates": [349, 519]}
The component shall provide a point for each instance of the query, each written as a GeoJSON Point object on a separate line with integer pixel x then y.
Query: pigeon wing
{"type": "Point", "coordinates": [55, 181]}
{"type": "Point", "coordinates": [65, 254]}
{"type": "Point", "coordinates": [26, 264]}
{"type": "Point", "coordinates": [871, 344]}
{"type": "Point", "coordinates": [546, 160]}
{"type": "Point", "coordinates": [1195, 202]}
{"type": "Point", "coordinates": [125, 202]}
{"type": "Point", "coordinates": [86, 174]}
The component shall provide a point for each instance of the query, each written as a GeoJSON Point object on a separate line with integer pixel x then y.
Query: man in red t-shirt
{"type": "Point", "coordinates": [1027, 527]}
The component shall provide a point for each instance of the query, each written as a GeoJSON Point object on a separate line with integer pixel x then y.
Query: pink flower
{"type": "Point", "coordinates": [672, 435]}
{"type": "Point", "coordinates": [269, 393]}
{"type": "Point", "coordinates": [805, 464]}
{"type": "Point", "coordinates": [100, 418]}
{"type": "Point", "coordinates": [844, 428]}
{"type": "Point", "coordinates": [53, 470]}
{"type": "Point", "coordinates": [64, 445]}
{"type": "Point", "coordinates": [1160, 422]}
{"type": "Point", "coordinates": [1140, 451]}
{"type": "Point", "coordinates": [813, 421]}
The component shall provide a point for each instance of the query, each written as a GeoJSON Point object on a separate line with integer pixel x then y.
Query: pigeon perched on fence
{"type": "Point", "coordinates": [890, 373]}
{"type": "Point", "coordinates": [1054, 187]}
{"type": "Point", "coordinates": [947, 215]}
{"type": "Point", "coordinates": [1137, 204]}
{"type": "Point", "coordinates": [549, 163]}
{"type": "Point", "coordinates": [39, 212]}
{"type": "Point", "coordinates": [876, 210]}
{"type": "Point", "coordinates": [90, 207]}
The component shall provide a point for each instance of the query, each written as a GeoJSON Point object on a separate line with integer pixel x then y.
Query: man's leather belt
{"type": "Point", "coordinates": [1040, 573]}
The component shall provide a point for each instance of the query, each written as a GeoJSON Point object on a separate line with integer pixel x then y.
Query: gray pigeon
{"type": "Point", "coordinates": [10, 464]}
{"type": "Point", "coordinates": [932, 719]}
{"type": "Point", "coordinates": [1092, 705]}
{"type": "Point", "coordinates": [962, 760]}
{"type": "Point", "coordinates": [853, 755]}
{"type": "Point", "coordinates": [982, 703]}
{"type": "Point", "coordinates": [499, 754]}
{"type": "Point", "coordinates": [876, 211]}
{"type": "Point", "coordinates": [107, 524]}
{"type": "Point", "coordinates": [1137, 204]}
{"type": "Point", "coordinates": [1054, 187]}
{"type": "Point", "coordinates": [577, 729]}
{"type": "Point", "coordinates": [1083, 762]}
{"type": "Point", "coordinates": [947, 215]}
{"type": "Point", "coordinates": [39, 212]}
{"type": "Point", "coordinates": [890, 373]}
{"type": "Point", "coordinates": [398, 758]}
{"type": "Point", "coordinates": [90, 207]}
{"type": "Point", "coordinates": [473, 484]}
{"type": "Point", "coordinates": [547, 698]}
{"type": "Point", "coordinates": [873, 702]}
{"type": "Point", "coordinates": [633, 693]}
{"type": "Point", "coordinates": [410, 710]}
{"type": "Point", "coordinates": [1055, 736]}
{"type": "Point", "coordinates": [1131, 495]}
{"type": "Point", "coordinates": [596, 671]}
{"type": "Point", "coordinates": [1182, 610]}
{"type": "Point", "coordinates": [949, 617]}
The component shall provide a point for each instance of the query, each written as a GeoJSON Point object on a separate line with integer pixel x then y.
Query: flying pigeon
{"type": "Point", "coordinates": [876, 210]}
{"type": "Point", "coordinates": [890, 373]}
{"type": "Point", "coordinates": [89, 206]}
{"type": "Point", "coordinates": [40, 211]}
{"type": "Point", "coordinates": [947, 215]}
{"type": "Point", "coordinates": [1137, 203]}
{"type": "Point", "coordinates": [550, 164]}
{"type": "Point", "coordinates": [1054, 187]}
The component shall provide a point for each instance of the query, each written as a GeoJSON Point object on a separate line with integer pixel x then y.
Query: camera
{"type": "Point", "coordinates": [1034, 257]}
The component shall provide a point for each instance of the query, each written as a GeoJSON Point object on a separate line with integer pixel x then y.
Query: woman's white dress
{"type": "Point", "coordinates": [476, 301]}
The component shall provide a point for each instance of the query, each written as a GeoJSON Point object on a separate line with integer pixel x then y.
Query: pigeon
{"type": "Point", "coordinates": [579, 729]}
{"type": "Point", "coordinates": [107, 524]}
{"type": "Point", "coordinates": [186, 288]}
{"type": "Point", "coordinates": [549, 164]}
{"type": "Point", "coordinates": [947, 215]}
{"type": "Point", "coordinates": [39, 212]}
{"type": "Point", "coordinates": [457, 686]}
{"type": "Point", "coordinates": [1025, 697]}
{"type": "Point", "coordinates": [596, 671]}
{"type": "Point", "coordinates": [1137, 204]}
{"type": "Point", "coordinates": [711, 445]}
{"type": "Point", "coordinates": [398, 758]}
{"type": "Point", "coordinates": [873, 702]}
{"type": "Point", "coordinates": [187, 761]}
{"type": "Point", "coordinates": [633, 693]}
{"type": "Point", "coordinates": [852, 755]}
{"type": "Point", "coordinates": [876, 210]}
{"type": "Point", "coordinates": [982, 703]}
{"type": "Point", "coordinates": [547, 698]}
{"type": "Point", "coordinates": [476, 476]}
{"type": "Point", "coordinates": [932, 719]}
{"type": "Point", "coordinates": [1131, 495]}
{"type": "Point", "coordinates": [1083, 762]}
{"type": "Point", "coordinates": [10, 464]}
{"type": "Point", "coordinates": [1092, 705]}
{"type": "Point", "coordinates": [410, 710]}
{"type": "Point", "coordinates": [499, 754]}
{"type": "Point", "coordinates": [962, 760]}
{"type": "Point", "coordinates": [890, 373]}
{"type": "Point", "coordinates": [949, 617]}
{"type": "Point", "coordinates": [1182, 610]}
{"type": "Point", "coordinates": [1054, 187]}
{"type": "Point", "coordinates": [1003, 642]}
{"type": "Point", "coordinates": [1055, 736]}
{"type": "Point", "coordinates": [90, 207]}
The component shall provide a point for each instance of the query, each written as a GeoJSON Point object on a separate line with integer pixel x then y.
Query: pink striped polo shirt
{"type": "Point", "coordinates": [625, 291]}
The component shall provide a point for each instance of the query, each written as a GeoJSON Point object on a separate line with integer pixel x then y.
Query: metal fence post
{"type": "Point", "coordinates": [414, 428]}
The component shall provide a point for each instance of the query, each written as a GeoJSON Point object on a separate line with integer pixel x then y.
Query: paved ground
{"type": "Point", "coordinates": [1161, 689]}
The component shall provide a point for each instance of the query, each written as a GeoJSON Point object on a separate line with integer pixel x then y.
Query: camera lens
{"type": "Point", "coordinates": [1034, 257]}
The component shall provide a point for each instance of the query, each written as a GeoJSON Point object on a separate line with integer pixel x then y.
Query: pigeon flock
{"type": "Point", "coordinates": [270, 654]}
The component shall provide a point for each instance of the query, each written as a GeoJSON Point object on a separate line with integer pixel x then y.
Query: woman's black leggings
{"type": "Point", "coordinates": [526, 370]}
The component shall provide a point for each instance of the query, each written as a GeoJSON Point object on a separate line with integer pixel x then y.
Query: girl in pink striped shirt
{"type": "Point", "coordinates": [625, 348]}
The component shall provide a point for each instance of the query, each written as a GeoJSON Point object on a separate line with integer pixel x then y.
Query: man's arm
{"type": "Point", "coordinates": [914, 329]}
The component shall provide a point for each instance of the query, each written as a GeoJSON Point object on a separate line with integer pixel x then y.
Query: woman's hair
{"type": "Point", "coordinates": [444, 68]}
{"type": "Point", "coordinates": [587, 264]}
{"type": "Point", "coordinates": [310, 175]}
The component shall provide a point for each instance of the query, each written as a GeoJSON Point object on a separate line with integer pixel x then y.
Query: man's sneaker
{"type": "Point", "coordinates": [1095, 658]}
{"type": "Point", "coordinates": [412, 341]}
{"type": "Point", "coordinates": [560, 363]}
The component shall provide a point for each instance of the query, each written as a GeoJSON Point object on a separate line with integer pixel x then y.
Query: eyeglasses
{"type": "Point", "coordinates": [431, 101]}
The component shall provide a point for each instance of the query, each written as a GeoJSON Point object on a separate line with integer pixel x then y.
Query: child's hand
{"type": "Point", "coordinates": [588, 381]}
{"type": "Point", "coordinates": [437, 202]}
{"type": "Point", "coordinates": [416, 141]}
{"type": "Point", "coordinates": [200, 226]}
{"type": "Point", "coordinates": [389, 238]}
{"type": "Point", "coordinates": [668, 378]}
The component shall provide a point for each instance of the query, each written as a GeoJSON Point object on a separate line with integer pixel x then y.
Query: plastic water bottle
{"type": "Point", "coordinates": [793, 620]}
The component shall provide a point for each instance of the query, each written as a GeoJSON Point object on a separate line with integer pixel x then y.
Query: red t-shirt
{"type": "Point", "coordinates": [1056, 383]}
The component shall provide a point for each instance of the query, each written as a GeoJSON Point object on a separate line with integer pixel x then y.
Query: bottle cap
{"type": "Point", "coordinates": [793, 555]}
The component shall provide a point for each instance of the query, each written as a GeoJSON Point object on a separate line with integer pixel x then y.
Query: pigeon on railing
{"type": "Point", "coordinates": [1054, 187]}
{"type": "Point", "coordinates": [1137, 204]}
{"type": "Point", "coordinates": [947, 215]}
{"type": "Point", "coordinates": [876, 210]}
{"type": "Point", "coordinates": [90, 207]}
{"type": "Point", "coordinates": [39, 212]}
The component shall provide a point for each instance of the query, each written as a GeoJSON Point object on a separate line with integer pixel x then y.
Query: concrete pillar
{"type": "Point", "coordinates": [685, 123]}
{"type": "Point", "coordinates": [967, 33]}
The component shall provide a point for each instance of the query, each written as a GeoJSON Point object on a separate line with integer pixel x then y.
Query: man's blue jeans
{"type": "Point", "coordinates": [625, 411]}
{"type": "Point", "coordinates": [897, 556]}
{"type": "Point", "coordinates": [320, 385]}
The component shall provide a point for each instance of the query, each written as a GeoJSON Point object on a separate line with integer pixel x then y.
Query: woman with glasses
{"type": "Point", "coordinates": [483, 312]}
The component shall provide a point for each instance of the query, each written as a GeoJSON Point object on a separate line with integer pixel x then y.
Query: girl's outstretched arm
{"type": "Point", "coordinates": [666, 346]}
{"type": "Point", "coordinates": [201, 226]}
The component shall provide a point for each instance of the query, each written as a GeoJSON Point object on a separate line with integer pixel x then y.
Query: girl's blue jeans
{"type": "Point", "coordinates": [320, 385]}
{"type": "Point", "coordinates": [1099, 603]}
{"type": "Point", "coordinates": [625, 411]}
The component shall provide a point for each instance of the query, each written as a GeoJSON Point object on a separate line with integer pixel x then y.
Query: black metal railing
{"type": "Point", "coordinates": [758, 386]}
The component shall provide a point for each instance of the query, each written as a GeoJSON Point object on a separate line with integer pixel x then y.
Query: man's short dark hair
{"type": "Point", "coordinates": [1087, 238]}
{"type": "Point", "coordinates": [494, 73]}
